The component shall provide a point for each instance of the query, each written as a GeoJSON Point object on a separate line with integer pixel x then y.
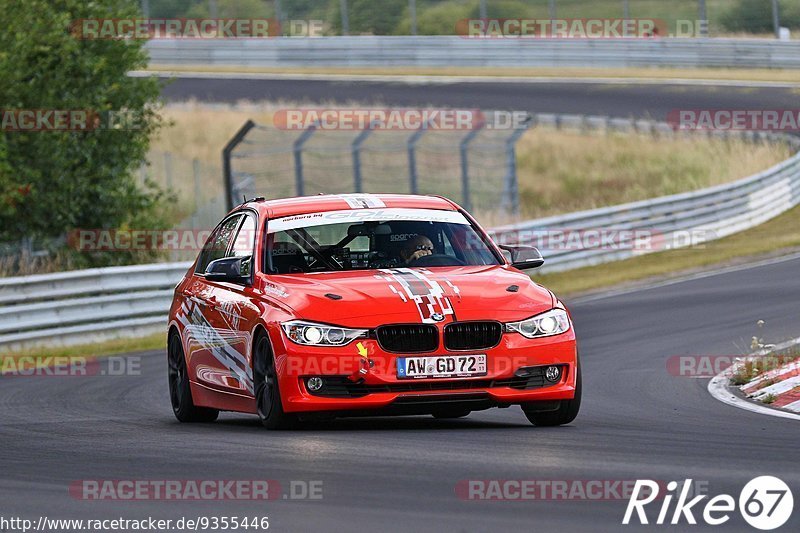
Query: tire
{"type": "Point", "coordinates": [443, 415]}
{"type": "Point", "coordinates": [565, 413]}
{"type": "Point", "coordinates": [268, 397]}
{"type": "Point", "coordinates": [180, 393]}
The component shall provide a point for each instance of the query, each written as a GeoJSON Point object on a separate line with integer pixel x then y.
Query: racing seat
{"type": "Point", "coordinates": [288, 258]}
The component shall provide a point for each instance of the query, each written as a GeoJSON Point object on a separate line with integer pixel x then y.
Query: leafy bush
{"type": "Point", "coordinates": [56, 181]}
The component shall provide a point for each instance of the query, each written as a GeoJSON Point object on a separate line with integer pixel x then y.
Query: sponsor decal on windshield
{"type": "Point", "coordinates": [365, 215]}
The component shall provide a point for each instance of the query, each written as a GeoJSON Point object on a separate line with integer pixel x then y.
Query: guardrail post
{"type": "Point", "coordinates": [226, 161]}
{"type": "Point", "coordinates": [411, 147]}
{"type": "Point", "coordinates": [355, 149]}
{"type": "Point", "coordinates": [297, 149]}
{"type": "Point", "coordinates": [511, 183]}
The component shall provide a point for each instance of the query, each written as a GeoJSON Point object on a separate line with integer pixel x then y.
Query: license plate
{"type": "Point", "coordinates": [441, 366]}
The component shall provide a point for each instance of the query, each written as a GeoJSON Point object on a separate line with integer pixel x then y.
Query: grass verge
{"type": "Point", "coordinates": [655, 74]}
{"type": "Point", "coordinates": [780, 233]}
{"type": "Point", "coordinates": [156, 341]}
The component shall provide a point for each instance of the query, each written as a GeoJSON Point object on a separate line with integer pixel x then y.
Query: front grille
{"type": "Point", "coordinates": [472, 335]}
{"type": "Point", "coordinates": [408, 338]}
{"type": "Point", "coordinates": [342, 387]}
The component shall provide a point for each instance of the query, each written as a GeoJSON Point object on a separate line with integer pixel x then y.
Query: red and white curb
{"type": "Point", "coordinates": [785, 387]}
{"type": "Point", "coordinates": [782, 383]}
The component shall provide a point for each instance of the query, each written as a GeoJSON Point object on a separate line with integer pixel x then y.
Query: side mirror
{"type": "Point", "coordinates": [230, 269]}
{"type": "Point", "coordinates": [523, 257]}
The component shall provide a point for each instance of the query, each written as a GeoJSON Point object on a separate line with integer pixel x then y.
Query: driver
{"type": "Point", "coordinates": [416, 247]}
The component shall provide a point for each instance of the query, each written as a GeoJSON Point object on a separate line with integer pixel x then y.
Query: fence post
{"type": "Point", "coordinates": [466, 201]}
{"type": "Point", "coordinates": [411, 147]}
{"type": "Point", "coordinates": [355, 150]}
{"type": "Point", "coordinates": [226, 161]}
{"type": "Point", "coordinates": [776, 18]}
{"type": "Point", "coordinates": [702, 15]}
{"type": "Point", "coordinates": [297, 149]}
{"type": "Point", "coordinates": [345, 17]}
{"type": "Point", "coordinates": [511, 184]}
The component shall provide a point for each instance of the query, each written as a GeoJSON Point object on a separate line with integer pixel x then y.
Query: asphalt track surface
{"type": "Point", "coordinates": [399, 474]}
{"type": "Point", "coordinates": [653, 101]}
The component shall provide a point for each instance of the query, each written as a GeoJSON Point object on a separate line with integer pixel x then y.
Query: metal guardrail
{"type": "Point", "coordinates": [450, 51]}
{"type": "Point", "coordinates": [667, 222]}
{"type": "Point", "coordinates": [85, 306]}
{"type": "Point", "coordinates": [89, 305]}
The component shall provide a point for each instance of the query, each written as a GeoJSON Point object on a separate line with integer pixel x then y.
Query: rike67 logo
{"type": "Point", "coordinates": [765, 503]}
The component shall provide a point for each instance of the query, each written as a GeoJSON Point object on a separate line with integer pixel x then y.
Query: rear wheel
{"type": "Point", "coordinates": [566, 412]}
{"type": "Point", "coordinates": [268, 397]}
{"type": "Point", "coordinates": [180, 393]}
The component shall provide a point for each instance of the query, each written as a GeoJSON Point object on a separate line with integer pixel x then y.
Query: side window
{"type": "Point", "coordinates": [244, 243]}
{"type": "Point", "coordinates": [245, 239]}
{"type": "Point", "coordinates": [217, 244]}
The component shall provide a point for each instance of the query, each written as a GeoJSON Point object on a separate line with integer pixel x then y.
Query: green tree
{"type": "Point", "coordinates": [369, 16]}
{"type": "Point", "coordinates": [755, 16]}
{"type": "Point", "coordinates": [56, 181]}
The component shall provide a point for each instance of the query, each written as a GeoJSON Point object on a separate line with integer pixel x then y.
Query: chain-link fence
{"type": "Point", "coordinates": [476, 167]}
{"type": "Point", "coordinates": [199, 195]}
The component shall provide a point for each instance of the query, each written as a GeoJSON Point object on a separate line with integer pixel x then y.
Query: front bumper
{"type": "Point", "coordinates": [362, 379]}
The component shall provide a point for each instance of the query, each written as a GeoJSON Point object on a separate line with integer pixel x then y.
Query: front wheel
{"type": "Point", "coordinates": [180, 393]}
{"type": "Point", "coordinates": [268, 396]}
{"type": "Point", "coordinates": [566, 412]}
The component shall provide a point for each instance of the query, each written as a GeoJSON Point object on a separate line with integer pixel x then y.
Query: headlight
{"type": "Point", "coordinates": [312, 334]}
{"type": "Point", "coordinates": [552, 322]}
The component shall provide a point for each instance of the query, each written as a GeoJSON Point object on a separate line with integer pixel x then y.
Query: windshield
{"type": "Point", "coordinates": [373, 238]}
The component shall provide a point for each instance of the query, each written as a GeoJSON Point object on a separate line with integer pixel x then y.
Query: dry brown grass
{"type": "Point", "coordinates": [202, 131]}
{"type": "Point", "coordinates": [654, 73]}
{"type": "Point", "coordinates": [568, 171]}
{"type": "Point", "coordinates": [23, 265]}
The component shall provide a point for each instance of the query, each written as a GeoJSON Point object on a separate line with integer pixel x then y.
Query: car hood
{"type": "Point", "coordinates": [369, 298]}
